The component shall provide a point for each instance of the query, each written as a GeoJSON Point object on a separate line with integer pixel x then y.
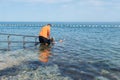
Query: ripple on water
{"type": "Point", "coordinates": [92, 55]}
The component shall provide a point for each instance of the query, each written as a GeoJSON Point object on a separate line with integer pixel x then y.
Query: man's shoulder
{"type": "Point", "coordinates": [47, 27]}
{"type": "Point", "coordinates": [44, 26]}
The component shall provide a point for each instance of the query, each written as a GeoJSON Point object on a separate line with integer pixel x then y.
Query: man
{"type": "Point", "coordinates": [44, 35]}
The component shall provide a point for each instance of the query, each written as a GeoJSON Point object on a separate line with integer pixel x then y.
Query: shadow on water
{"type": "Point", "coordinates": [82, 71]}
{"type": "Point", "coordinates": [31, 70]}
{"type": "Point", "coordinates": [10, 71]}
{"type": "Point", "coordinates": [28, 66]}
{"type": "Point", "coordinates": [87, 71]}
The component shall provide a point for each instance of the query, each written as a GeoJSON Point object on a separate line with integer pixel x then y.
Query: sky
{"type": "Point", "coordinates": [60, 10]}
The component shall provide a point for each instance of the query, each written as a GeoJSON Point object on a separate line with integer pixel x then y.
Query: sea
{"type": "Point", "coordinates": [81, 51]}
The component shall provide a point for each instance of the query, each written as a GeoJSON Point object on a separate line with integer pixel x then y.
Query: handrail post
{"type": "Point", "coordinates": [35, 39]}
{"type": "Point", "coordinates": [24, 42]}
{"type": "Point", "coordinates": [35, 42]}
{"type": "Point", "coordinates": [8, 38]}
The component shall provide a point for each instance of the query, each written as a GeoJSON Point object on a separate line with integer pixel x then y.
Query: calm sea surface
{"type": "Point", "coordinates": [88, 52]}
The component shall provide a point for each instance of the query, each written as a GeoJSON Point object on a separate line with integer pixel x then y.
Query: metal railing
{"type": "Point", "coordinates": [9, 42]}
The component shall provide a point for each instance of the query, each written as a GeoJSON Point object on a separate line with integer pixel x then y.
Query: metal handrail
{"type": "Point", "coordinates": [23, 41]}
{"type": "Point", "coordinates": [17, 35]}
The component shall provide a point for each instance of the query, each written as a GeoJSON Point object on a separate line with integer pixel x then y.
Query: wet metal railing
{"type": "Point", "coordinates": [8, 41]}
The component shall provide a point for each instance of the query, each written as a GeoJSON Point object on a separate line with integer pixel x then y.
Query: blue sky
{"type": "Point", "coordinates": [60, 10]}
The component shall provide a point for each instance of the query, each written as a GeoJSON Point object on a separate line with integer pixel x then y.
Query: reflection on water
{"type": "Point", "coordinates": [44, 53]}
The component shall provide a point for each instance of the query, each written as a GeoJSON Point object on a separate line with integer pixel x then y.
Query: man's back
{"type": "Point", "coordinates": [45, 32]}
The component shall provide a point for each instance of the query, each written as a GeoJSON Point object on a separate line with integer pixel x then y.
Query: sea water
{"type": "Point", "coordinates": [87, 52]}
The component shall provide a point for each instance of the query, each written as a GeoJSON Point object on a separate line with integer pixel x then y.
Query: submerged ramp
{"type": "Point", "coordinates": [7, 41]}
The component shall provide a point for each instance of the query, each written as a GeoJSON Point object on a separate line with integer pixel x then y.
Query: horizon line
{"type": "Point", "coordinates": [63, 21]}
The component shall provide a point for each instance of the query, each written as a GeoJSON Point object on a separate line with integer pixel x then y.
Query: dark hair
{"type": "Point", "coordinates": [49, 25]}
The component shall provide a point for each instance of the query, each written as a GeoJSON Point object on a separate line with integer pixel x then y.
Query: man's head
{"type": "Point", "coordinates": [49, 25]}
